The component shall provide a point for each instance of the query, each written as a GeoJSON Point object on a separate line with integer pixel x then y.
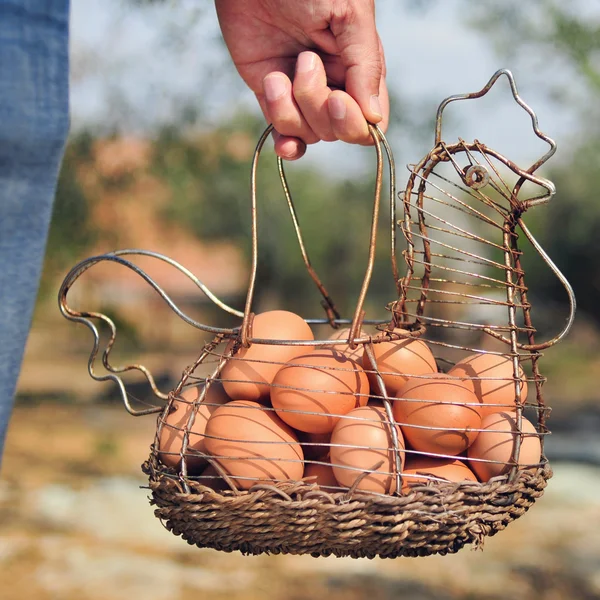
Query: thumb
{"type": "Point", "coordinates": [362, 55]}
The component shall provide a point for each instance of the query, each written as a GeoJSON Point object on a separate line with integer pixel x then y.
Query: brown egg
{"type": "Point", "coordinates": [496, 394]}
{"type": "Point", "coordinates": [497, 442]}
{"type": "Point", "coordinates": [342, 334]}
{"type": "Point", "coordinates": [171, 434]}
{"type": "Point", "coordinates": [211, 478]}
{"type": "Point", "coordinates": [397, 361]}
{"type": "Point", "coordinates": [359, 443]}
{"type": "Point", "coordinates": [314, 445]}
{"type": "Point", "coordinates": [429, 403]}
{"type": "Point", "coordinates": [326, 383]}
{"type": "Point", "coordinates": [251, 442]}
{"type": "Point", "coordinates": [324, 475]}
{"type": "Point", "coordinates": [419, 470]}
{"type": "Point", "coordinates": [245, 376]}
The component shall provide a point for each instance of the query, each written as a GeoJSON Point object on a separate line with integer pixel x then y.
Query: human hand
{"type": "Point", "coordinates": [316, 66]}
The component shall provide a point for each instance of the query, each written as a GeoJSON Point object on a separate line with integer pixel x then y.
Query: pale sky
{"type": "Point", "coordinates": [124, 53]}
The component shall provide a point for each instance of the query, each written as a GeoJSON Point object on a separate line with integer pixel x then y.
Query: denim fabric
{"type": "Point", "coordinates": [34, 123]}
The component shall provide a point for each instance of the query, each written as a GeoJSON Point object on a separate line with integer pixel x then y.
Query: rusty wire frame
{"type": "Point", "coordinates": [419, 225]}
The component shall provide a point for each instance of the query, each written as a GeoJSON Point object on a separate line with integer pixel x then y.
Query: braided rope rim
{"type": "Point", "coordinates": [298, 518]}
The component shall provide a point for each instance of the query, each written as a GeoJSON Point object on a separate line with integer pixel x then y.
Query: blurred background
{"type": "Point", "coordinates": [162, 136]}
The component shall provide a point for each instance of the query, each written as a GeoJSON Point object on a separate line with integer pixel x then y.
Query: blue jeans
{"type": "Point", "coordinates": [34, 123]}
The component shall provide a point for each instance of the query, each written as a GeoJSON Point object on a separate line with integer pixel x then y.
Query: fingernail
{"type": "Point", "coordinates": [337, 108]}
{"type": "Point", "coordinates": [275, 87]}
{"type": "Point", "coordinates": [376, 106]}
{"type": "Point", "coordinates": [306, 62]}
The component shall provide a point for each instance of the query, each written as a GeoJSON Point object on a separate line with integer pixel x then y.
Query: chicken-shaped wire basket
{"type": "Point", "coordinates": [408, 436]}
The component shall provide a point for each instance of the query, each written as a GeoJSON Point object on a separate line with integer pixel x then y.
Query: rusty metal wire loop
{"type": "Point", "coordinates": [332, 313]}
{"type": "Point", "coordinates": [525, 175]}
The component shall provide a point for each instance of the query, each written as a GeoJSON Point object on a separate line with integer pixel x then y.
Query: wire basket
{"type": "Point", "coordinates": [408, 436]}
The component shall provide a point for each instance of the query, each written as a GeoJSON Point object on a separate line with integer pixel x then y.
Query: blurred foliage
{"type": "Point", "coordinates": [210, 181]}
{"type": "Point", "coordinates": [207, 170]}
{"type": "Point", "coordinates": [552, 34]}
{"type": "Point", "coordinates": [72, 231]}
{"type": "Point", "coordinates": [206, 174]}
{"type": "Point", "coordinates": [546, 31]}
{"type": "Point", "coordinates": [568, 229]}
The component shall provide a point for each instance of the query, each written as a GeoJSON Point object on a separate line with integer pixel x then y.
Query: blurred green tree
{"type": "Point", "coordinates": [549, 34]}
{"type": "Point", "coordinates": [210, 180]}
{"type": "Point", "coordinates": [71, 231]}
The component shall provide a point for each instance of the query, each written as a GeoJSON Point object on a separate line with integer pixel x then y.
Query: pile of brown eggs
{"type": "Point", "coordinates": [288, 412]}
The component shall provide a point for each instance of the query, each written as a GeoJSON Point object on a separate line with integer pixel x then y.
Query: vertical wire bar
{"type": "Point", "coordinates": [393, 224]}
{"type": "Point", "coordinates": [252, 283]}
{"type": "Point", "coordinates": [409, 252]}
{"type": "Point", "coordinates": [390, 415]}
{"type": "Point", "coordinates": [428, 268]}
{"type": "Point", "coordinates": [208, 348]}
{"type": "Point", "coordinates": [510, 291]}
{"type": "Point", "coordinates": [541, 413]}
{"type": "Point", "coordinates": [329, 305]}
{"type": "Point", "coordinates": [192, 417]}
{"type": "Point", "coordinates": [358, 313]}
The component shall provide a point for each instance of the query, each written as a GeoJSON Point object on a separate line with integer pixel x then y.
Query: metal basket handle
{"type": "Point", "coordinates": [332, 313]}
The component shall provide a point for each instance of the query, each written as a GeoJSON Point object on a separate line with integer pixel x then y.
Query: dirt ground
{"type": "Point", "coordinates": [75, 524]}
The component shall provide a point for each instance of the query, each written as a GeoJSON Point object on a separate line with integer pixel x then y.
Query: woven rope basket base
{"type": "Point", "coordinates": [434, 305]}
{"type": "Point", "coordinates": [301, 519]}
